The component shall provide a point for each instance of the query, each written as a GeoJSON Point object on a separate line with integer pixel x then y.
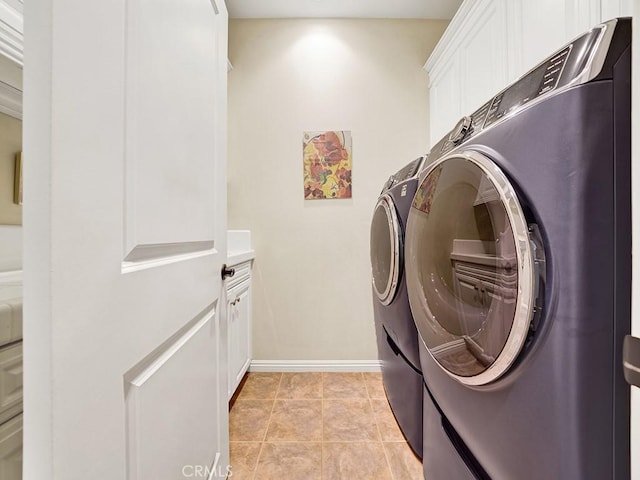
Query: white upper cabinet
{"type": "Point", "coordinates": [462, 67]}
{"type": "Point", "coordinates": [616, 8]}
{"type": "Point", "coordinates": [491, 43]}
{"type": "Point", "coordinates": [483, 47]}
{"type": "Point", "coordinates": [444, 96]}
{"type": "Point", "coordinates": [535, 29]}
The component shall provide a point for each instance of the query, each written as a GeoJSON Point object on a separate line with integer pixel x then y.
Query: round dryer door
{"type": "Point", "coordinates": [385, 247]}
{"type": "Point", "coordinates": [470, 268]}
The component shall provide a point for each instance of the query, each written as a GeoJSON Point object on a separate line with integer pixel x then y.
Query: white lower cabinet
{"type": "Point", "coordinates": [11, 449]}
{"type": "Point", "coordinates": [239, 324]}
{"type": "Point", "coordinates": [11, 412]}
{"type": "Point", "coordinates": [10, 382]}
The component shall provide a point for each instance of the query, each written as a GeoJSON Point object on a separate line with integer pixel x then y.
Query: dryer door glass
{"type": "Point", "coordinates": [469, 268]}
{"type": "Point", "coordinates": [385, 250]}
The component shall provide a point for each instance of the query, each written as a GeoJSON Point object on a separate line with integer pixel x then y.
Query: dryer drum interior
{"type": "Point", "coordinates": [473, 268]}
{"type": "Point", "coordinates": [386, 248]}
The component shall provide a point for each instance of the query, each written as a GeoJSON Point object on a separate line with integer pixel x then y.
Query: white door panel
{"type": "Point", "coordinates": [158, 417]}
{"type": "Point", "coordinates": [125, 234]}
{"type": "Point", "coordinates": [170, 132]}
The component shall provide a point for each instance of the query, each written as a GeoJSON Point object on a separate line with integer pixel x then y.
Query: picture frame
{"type": "Point", "coordinates": [327, 164]}
{"type": "Point", "coordinates": [17, 180]}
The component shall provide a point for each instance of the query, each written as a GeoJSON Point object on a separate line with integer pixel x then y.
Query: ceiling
{"type": "Point", "coordinates": [443, 9]}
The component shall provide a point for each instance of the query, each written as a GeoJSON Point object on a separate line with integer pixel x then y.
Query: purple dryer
{"type": "Point", "coordinates": [518, 265]}
{"type": "Point", "coordinates": [396, 332]}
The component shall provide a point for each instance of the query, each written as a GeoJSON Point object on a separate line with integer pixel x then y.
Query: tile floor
{"type": "Point", "coordinates": [320, 426]}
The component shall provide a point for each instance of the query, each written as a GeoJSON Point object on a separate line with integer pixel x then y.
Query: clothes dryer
{"type": "Point", "coordinates": [396, 332]}
{"type": "Point", "coordinates": [518, 258]}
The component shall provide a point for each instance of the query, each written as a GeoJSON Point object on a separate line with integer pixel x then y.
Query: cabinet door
{"type": "Point", "coordinates": [11, 449]}
{"type": "Point", "coordinates": [444, 98]}
{"type": "Point", "coordinates": [239, 314]}
{"type": "Point", "coordinates": [232, 336]}
{"type": "Point", "coordinates": [243, 318]}
{"type": "Point", "coordinates": [10, 382]}
{"type": "Point", "coordinates": [616, 8]}
{"type": "Point", "coordinates": [469, 64]}
{"type": "Point", "coordinates": [535, 31]}
{"type": "Point", "coordinates": [483, 52]}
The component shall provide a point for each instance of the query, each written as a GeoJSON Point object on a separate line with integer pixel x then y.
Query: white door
{"type": "Point", "coordinates": [125, 235]}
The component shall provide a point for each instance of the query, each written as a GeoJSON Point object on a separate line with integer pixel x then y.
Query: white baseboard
{"type": "Point", "coordinates": [315, 366]}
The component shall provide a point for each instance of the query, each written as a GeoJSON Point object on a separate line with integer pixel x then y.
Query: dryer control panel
{"type": "Point", "coordinates": [536, 83]}
{"type": "Point", "coordinates": [578, 62]}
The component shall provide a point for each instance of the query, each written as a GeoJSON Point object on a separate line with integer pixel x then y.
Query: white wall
{"type": "Point", "coordinates": [312, 293]}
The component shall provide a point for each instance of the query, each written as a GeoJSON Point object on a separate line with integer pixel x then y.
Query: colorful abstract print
{"type": "Point", "coordinates": [327, 164]}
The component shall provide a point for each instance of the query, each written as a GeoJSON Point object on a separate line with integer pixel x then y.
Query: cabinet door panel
{"type": "Point", "coordinates": [616, 8]}
{"type": "Point", "coordinates": [445, 99]}
{"type": "Point", "coordinates": [10, 382]}
{"type": "Point", "coordinates": [11, 449]}
{"type": "Point", "coordinates": [239, 328]}
{"type": "Point", "coordinates": [484, 70]}
{"type": "Point", "coordinates": [243, 312]}
{"type": "Point", "coordinates": [232, 340]}
{"type": "Point", "coordinates": [535, 30]}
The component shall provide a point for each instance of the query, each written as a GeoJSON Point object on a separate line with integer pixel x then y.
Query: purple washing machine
{"type": "Point", "coordinates": [518, 265]}
{"type": "Point", "coordinates": [396, 332]}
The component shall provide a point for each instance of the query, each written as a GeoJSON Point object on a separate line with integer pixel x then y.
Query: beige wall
{"type": "Point", "coordinates": [312, 291]}
{"type": "Point", "coordinates": [10, 144]}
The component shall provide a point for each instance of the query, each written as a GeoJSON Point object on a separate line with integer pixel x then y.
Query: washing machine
{"type": "Point", "coordinates": [396, 333]}
{"type": "Point", "coordinates": [518, 265]}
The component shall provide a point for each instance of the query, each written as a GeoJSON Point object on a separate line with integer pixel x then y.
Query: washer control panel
{"type": "Point", "coordinates": [408, 171]}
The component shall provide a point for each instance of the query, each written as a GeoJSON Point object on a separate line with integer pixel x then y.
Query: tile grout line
{"type": "Point", "coordinates": [375, 417]}
{"type": "Point", "coordinates": [264, 439]}
{"type": "Point", "coordinates": [273, 407]}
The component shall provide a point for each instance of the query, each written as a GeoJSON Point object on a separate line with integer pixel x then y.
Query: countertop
{"type": "Point", "coordinates": [10, 307]}
{"type": "Point", "coordinates": [239, 247]}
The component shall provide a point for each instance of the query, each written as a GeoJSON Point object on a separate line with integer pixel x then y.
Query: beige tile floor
{"type": "Point", "coordinates": [320, 426]}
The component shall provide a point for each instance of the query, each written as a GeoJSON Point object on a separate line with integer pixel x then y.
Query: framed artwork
{"type": "Point", "coordinates": [327, 164]}
{"type": "Point", "coordinates": [17, 180]}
